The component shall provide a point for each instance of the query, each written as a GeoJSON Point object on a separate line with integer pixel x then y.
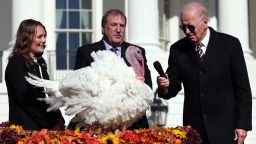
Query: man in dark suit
{"type": "Point", "coordinates": [113, 30]}
{"type": "Point", "coordinates": [212, 69]}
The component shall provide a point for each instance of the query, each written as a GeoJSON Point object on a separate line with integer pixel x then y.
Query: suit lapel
{"type": "Point", "coordinates": [124, 46]}
{"type": "Point", "coordinates": [101, 45]}
{"type": "Point", "coordinates": [123, 49]}
{"type": "Point", "coordinates": [211, 48]}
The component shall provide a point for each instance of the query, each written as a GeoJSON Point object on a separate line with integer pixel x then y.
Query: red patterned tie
{"type": "Point", "coordinates": [200, 52]}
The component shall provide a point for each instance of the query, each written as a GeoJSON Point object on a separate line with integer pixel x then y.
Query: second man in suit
{"type": "Point", "coordinates": [113, 29]}
{"type": "Point", "coordinates": [218, 100]}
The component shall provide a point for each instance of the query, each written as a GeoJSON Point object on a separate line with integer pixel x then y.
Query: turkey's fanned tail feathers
{"type": "Point", "coordinates": [107, 92]}
{"type": "Point", "coordinates": [51, 87]}
{"type": "Point", "coordinates": [55, 99]}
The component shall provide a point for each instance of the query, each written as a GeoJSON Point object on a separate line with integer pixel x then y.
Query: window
{"type": "Point", "coordinates": [73, 29]}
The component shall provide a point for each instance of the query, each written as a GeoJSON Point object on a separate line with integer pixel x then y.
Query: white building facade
{"type": "Point", "coordinates": [152, 24]}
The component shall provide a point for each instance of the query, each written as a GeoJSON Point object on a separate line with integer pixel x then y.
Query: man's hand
{"type": "Point", "coordinates": [163, 83]}
{"type": "Point", "coordinates": [240, 135]}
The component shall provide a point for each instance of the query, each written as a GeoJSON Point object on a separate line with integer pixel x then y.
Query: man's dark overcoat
{"type": "Point", "coordinates": [217, 91]}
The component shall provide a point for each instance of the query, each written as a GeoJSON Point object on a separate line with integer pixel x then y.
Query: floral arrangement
{"type": "Point", "coordinates": [93, 134]}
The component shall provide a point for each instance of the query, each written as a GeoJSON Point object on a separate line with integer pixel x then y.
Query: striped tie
{"type": "Point", "coordinates": [199, 52]}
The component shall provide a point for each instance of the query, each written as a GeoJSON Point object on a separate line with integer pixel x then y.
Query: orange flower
{"type": "Point", "coordinates": [177, 141]}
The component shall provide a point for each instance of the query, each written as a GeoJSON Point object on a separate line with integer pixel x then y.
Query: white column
{"type": "Point", "coordinates": [143, 23]}
{"type": "Point", "coordinates": [233, 19]}
{"type": "Point", "coordinates": [97, 13]}
{"type": "Point", "coordinates": [174, 20]}
{"type": "Point", "coordinates": [24, 9]}
{"type": "Point", "coordinates": [143, 30]}
{"type": "Point", "coordinates": [48, 20]}
{"type": "Point", "coordinates": [212, 4]}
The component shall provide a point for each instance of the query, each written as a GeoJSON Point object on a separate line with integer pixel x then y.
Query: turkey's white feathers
{"type": "Point", "coordinates": [52, 87]}
{"type": "Point", "coordinates": [107, 92]}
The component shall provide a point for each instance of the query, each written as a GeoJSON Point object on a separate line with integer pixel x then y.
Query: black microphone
{"type": "Point", "coordinates": [159, 68]}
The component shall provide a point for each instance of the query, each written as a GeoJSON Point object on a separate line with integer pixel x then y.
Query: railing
{"type": "Point", "coordinates": [60, 64]}
{"type": "Point", "coordinates": [164, 44]}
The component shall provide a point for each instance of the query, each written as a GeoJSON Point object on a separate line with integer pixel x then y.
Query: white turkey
{"type": "Point", "coordinates": [107, 92]}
